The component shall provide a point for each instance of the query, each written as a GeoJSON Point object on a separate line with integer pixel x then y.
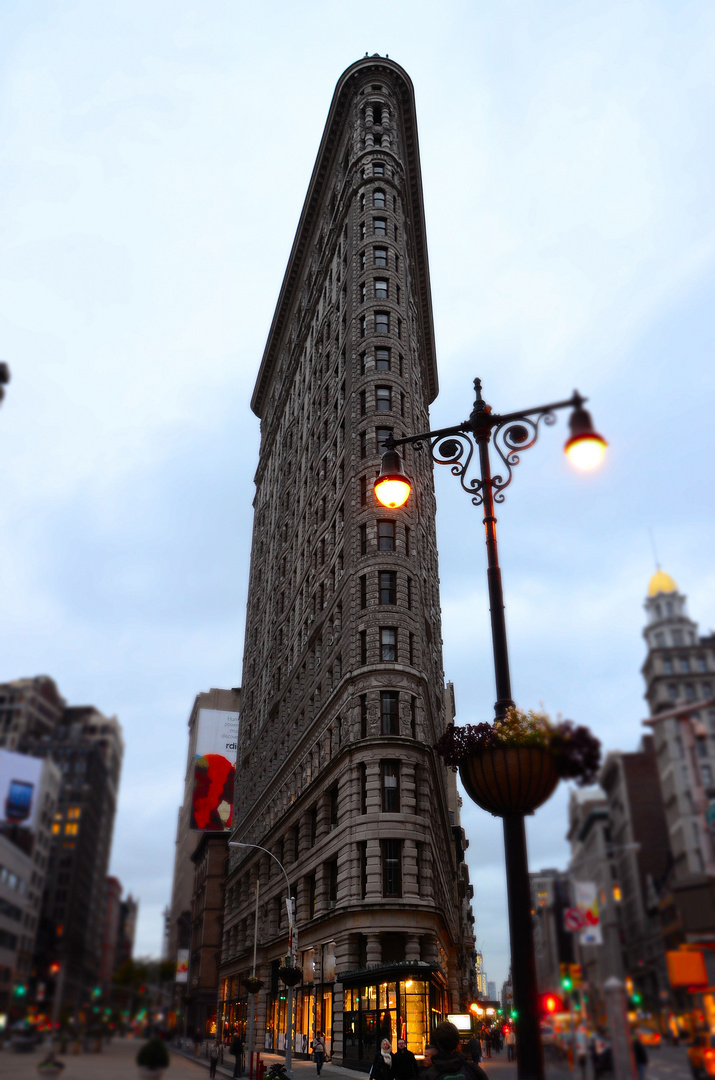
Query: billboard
{"type": "Point", "coordinates": [19, 789]}
{"type": "Point", "coordinates": [587, 902]}
{"type": "Point", "coordinates": [214, 770]}
{"type": "Point", "coordinates": [182, 966]}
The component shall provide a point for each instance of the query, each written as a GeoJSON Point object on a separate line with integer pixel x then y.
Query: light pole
{"type": "Point", "coordinates": [455, 446]}
{"type": "Point", "coordinates": [4, 377]}
{"type": "Point", "coordinates": [292, 949]}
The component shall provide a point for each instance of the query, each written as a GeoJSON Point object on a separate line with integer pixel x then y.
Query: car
{"type": "Point", "coordinates": [648, 1036]}
{"type": "Point", "coordinates": [701, 1053]}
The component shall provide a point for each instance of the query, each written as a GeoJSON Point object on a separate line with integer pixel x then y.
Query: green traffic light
{"type": "Point", "coordinates": [567, 983]}
{"type": "Point", "coordinates": [636, 999]}
{"type": "Point", "coordinates": [514, 1014]}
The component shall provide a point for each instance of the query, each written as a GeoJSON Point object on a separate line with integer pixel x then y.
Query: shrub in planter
{"type": "Point", "coordinates": [153, 1057]}
{"type": "Point", "coordinates": [514, 765]}
{"type": "Point", "coordinates": [291, 976]}
{"type": "Point", "coordinates": [252, 984]}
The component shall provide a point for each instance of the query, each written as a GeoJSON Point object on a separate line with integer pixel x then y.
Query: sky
{"type": "Point", "coordinates": [154, 158]}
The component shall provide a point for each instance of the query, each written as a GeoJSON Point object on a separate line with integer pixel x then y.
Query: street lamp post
{"type": "Point", "coordinates": [454, 446]}
{"type": "Point", "coordinates": [292, 948]}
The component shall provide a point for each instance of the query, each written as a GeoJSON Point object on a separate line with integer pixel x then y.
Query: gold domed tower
{"type": "Point", "coordinates": [675, 654]}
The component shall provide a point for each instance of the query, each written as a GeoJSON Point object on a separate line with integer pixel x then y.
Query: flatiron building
{"type": "Point", "coordinates": [343, 691]}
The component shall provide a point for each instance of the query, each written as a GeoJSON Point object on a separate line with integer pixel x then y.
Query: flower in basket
{"type": "Point", "coordinates": [291, 976]}
{"type": "Point", "coordinates": [575, 750]}
{"type": "Point", "coordinates": [513, 766]}
{"type": "Point", "coordinates": [252, 984]}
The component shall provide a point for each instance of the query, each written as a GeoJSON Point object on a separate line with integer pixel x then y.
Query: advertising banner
{"type": "Point", "coordinates": [19, 788]}
{"type": "Point", "coordinates": [214, 770]}
{"type": "Point", "coordinates": [182, 965]}
{"type": "Point", "coordinates": [586, 895]}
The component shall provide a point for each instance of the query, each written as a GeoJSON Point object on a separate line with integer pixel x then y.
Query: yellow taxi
{"type": "Point", "coordinates": [702, 1055]}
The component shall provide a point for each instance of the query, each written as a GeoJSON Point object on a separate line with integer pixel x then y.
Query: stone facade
{"type": "Point", "coordinates": [343, 689]}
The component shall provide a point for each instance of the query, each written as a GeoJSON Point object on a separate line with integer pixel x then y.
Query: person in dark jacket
{"type": "Point", "coordinates": [381, 1068]}
{"type": "Point", "coordinates": [641, 1057]}
{"type": "Point", "coordinates": [236, 1048]}
{"type": "Point", "coordinates": [404, 1062]}
{"type": "Point", "coordinates": [448, 1059]}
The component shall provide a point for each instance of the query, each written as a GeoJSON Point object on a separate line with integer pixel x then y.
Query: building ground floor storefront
{"type": "Point", "coordinates": [355, 1011]}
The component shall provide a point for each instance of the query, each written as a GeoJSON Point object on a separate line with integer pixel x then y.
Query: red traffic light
{"type": "Point", "coordinates": [551, 1003]}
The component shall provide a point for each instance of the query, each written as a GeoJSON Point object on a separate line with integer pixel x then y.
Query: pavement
{"type": "Point", "coordinates": [117, 1062]}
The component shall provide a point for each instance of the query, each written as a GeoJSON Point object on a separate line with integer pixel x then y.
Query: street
{"type": "Point", "coordinates": [117, 1062]}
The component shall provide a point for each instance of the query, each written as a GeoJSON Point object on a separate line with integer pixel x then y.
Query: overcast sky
{"type": "Point", "coordinates": [154, 157]}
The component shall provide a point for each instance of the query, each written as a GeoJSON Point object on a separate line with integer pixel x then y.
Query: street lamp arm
{"type": "Point", "coordinates": [574, 402]}
{"type": "Point", "coordinates": [237, 843]}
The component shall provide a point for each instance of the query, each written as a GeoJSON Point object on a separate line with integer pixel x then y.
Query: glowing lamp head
{"type": "Point", "coordinates": [585, 448]}
{"type": "Point", "coordinates": [392, 487]}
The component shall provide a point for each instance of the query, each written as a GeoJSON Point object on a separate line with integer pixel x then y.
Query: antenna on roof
{"type": "Point", "coordinates": [655, 553]}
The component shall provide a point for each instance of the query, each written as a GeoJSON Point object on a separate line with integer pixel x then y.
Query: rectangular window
{"type": "Point", "coordinates": [383, 398]}
{"type": "Point", "coordinates": [378, 199]}
{"type": "Point", "coordinates": [386, 536]}
{"type": "Point", "coordinates": [390, 787]}
{"type": "Point", "coordinates": [407, 540]}
{"type": "Point", "coordinates": [382, 322]}
{"type": "Point", "coordinates": [363, 647]}
{"type": "Point", "coordinates": [391, 867]}
{"type": "Point", "coordinates": [388, 643]}
{"type": "Point", "coordinates": [362, 851]}
{"type": "Point", "coordinates": [397, 293]}
{"type": "Point", "coordinates": [334, 805]}
{"type": "Point", "coordinates": [685, 664]}
{"type": "Point", "coordinates": [363, 491]}
{"type": "Point", "coordinates": [332, 876]}
{"type": "Point", "coordinates": [363, 717]}
{"type": "Point", "coordinates": [363, 403]}
{"type": "Point", "coordinates": [389, 714]}
{"type": "Point", "coordinates": [363, 293]}
{"type": "Point", "coordinates": [380, 256]}
{"type": "Point", "coordinates": [399, 328]}
{"type": "Point", "coordinates": [381, 289]}
{"type": "Point", "coordinates": [363, 444]}
{"type": "Point", "coordinates": [379, 226]}
{"type": "Point", "coordinates": [382, 359]}
{"type": "Point", "coordinates": [363, 539]}
{"type": "Point", "coordinates": [409, 594]}
{"type": "Point", "coordinates": [388, 586]}
{"type": "Point", "coordinates": [363, 325]}
{"type": "Point", "coordinates": [378, 169]}
{"type": "Point", "coordinates": [363, 260]}
{"type": "Point", "coordinates": [382, 434]}
{"type": "Point", "coordinates": [363, 363]}
{"type": "Point", "coordinates": [363, 230]}
{"type": "Point", "coordinates": [363, 591]}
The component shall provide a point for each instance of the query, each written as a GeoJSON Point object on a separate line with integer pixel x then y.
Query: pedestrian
{"type": "Point", "coordinates": [213, 1059]}
{"type": "Point", "coordinates": [236, 1048]}
{"type": "Point", "coordinates": [510, 1044]}
{"type": "Point", "coordinates": [581, 1041]}
{"type": "Point", "coordinates": [319, 1051]}
{"type": "Point", "coordinates": [473, 1050]}
{"type": "Point", "coordinates": [641, 1057]}
{"type": "Point", "coordinates": [430, 1051]}
{"type": "Point", "coordinates": [448, 1061]}
{"type": "Point", "coordinates": [198, 1039]}
{"type": "Point", "coordinates": [404, 1062]}
{"type": "Point", "coordinates": [381, 1068]}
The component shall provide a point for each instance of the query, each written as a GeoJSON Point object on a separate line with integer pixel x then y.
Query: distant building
{"type": "Point", "coordinates": [110, 931]}
{"type": "Point", "coordinates": [641, 858]}
{"type": "Point", "coordinates": [481, 975]}
{"type": "Point", "coordinates": [553, 944]}
{"type": "Point", "coordinates": [492, 991]}
{"type": "Point", "coordinates": [210, 863]}
{"type": "Point", "coordinates": [187, 837]}
{"type": "Point", "coordinates": [126, 930]}
{"type": "Point", "coordinates": [33, 784]}
{"type": "Point", "coordinates": [87, 747]}
{"type": "Point", "coordinates": [593, 861]}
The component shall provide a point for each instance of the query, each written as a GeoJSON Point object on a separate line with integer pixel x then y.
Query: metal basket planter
{"type": "Point", "coordinates": [509, 779]}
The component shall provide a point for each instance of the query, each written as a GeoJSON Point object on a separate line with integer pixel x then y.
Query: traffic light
{"type": "Point", "coordinates": [551, 1003]}
{"type": "Point", "coordinates": [20, 991]}
{"type": "Point", "coordinates": [637, 998]}
{"type": "Point", "coordinates": [566, 982]}
{"type": "Point", "coordinates": [96, 991]}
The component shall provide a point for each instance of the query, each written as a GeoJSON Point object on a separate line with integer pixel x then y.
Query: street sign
{"type": "Point", "coordinates": [574, 919]}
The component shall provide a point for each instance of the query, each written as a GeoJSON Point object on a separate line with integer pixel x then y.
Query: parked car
{"type": "Point", "coordinates": [702, 1054]}
{"type": "Point", "coordinates": [648, 1036]}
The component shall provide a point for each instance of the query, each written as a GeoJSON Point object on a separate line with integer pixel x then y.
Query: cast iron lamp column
{"type": "Point", "coordinates": [292, 948]}
{"type": "Point", "coordinates": [512, 433]}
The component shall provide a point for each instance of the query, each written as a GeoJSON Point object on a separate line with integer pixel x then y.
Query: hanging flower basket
{"type": "Point", "coordinates": [252, 984]}
{"type": "Point", "coordinates": [509, 779]}
{"type": "Point", "coordinates": [514, 765]}
{"type": "Point", "coordinates": [291, 976]}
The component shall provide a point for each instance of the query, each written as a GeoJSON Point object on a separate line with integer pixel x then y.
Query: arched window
{"type": "Point", "coordinates": [378, 198]}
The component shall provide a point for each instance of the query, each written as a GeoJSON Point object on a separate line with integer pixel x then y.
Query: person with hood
{"type": "Point", "coordinates": [404, 1062]}
{"type": "Point", "coordinates": [448, 1059]}
{"type": "Point", "coordinates": [381, 1068]}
